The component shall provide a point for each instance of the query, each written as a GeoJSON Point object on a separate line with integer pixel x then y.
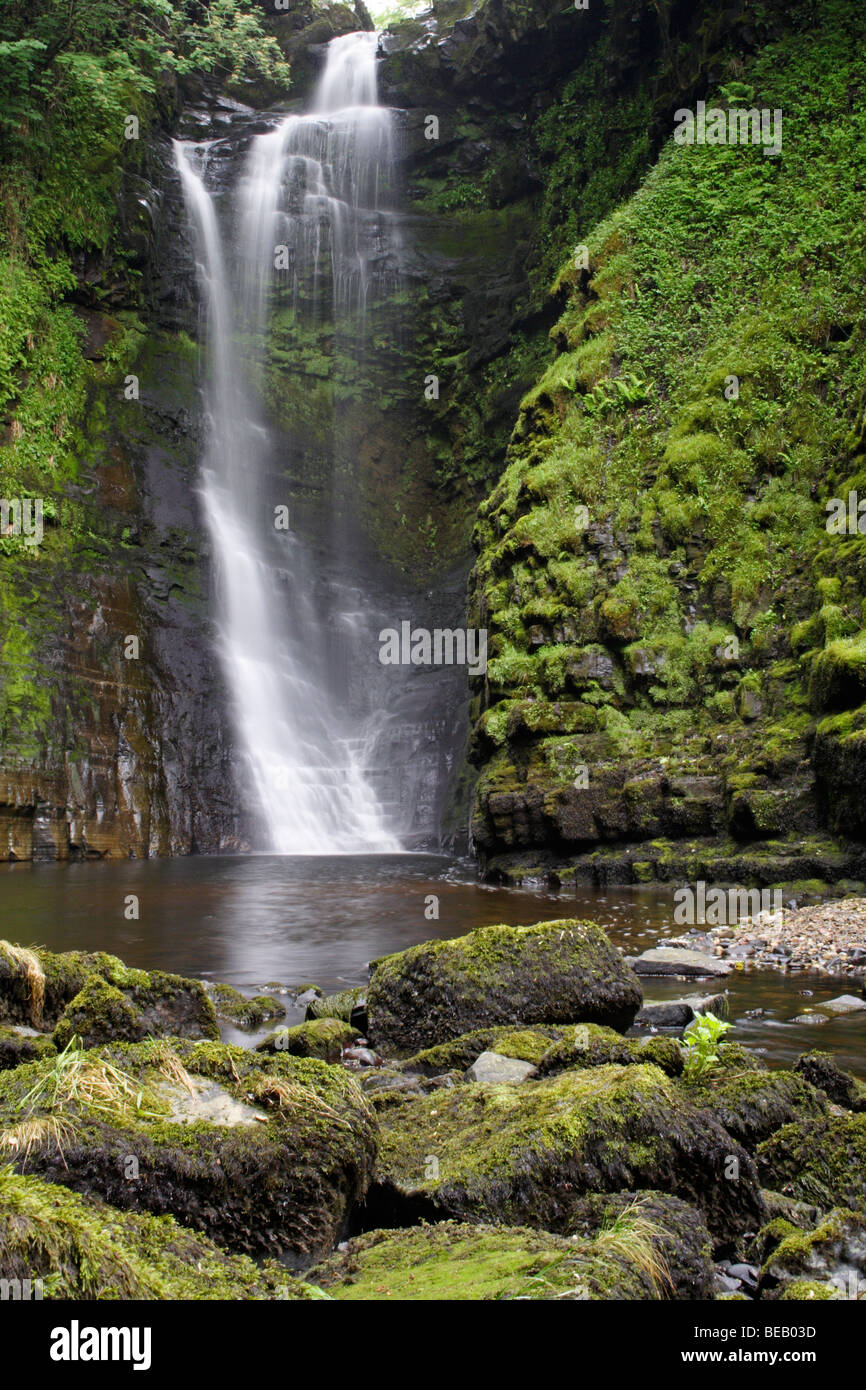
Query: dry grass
{"type": "Point", "coordinates": [21, 1139]}
{"type": "Point", "coordinates": [170, 1066]}
{"type": "Point", "coordinates": [27, 964]}
{"type": "Point", "coordinates": [631, 1237]}
{"type": "Point", "coordinates": [278, 1094]}
{"type": "Point", "coordinates": [77, 1078]}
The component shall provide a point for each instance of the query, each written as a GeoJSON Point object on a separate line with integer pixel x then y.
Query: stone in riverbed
{"type": "Point", "coordinates": [245, 1013]}
{"type": "Point", "coordinates": [555, 972]}
{"type": "Point", "coordinates": [678, 1013]}
{"type": "Point", "coordinates": [844, 1004]}
{"type": "Point", "coordinates": [676, 961]}
{"type": "Point", "coordinates": [321, 1037]}
{"type": "Point", "coordinates": [525, 1154]}
{"type": "Point", "coordinates": [99, 997]}
{"type": "Point", "coordinates": [349, 1005]}
{"type": "Point", "coordinates": [493, 1069]}
{"type": "Point", "coordinates": [810, 1020]}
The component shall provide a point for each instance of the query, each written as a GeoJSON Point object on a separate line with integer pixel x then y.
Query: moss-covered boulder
{"type": "Point", "coordinates": [265, 1154]}
{"type": "Point", "coordinates": [555, 972]}
{"type": "Point", "coordinates": [752, 1105]}
{"type": "Point", "coordinates": [81, 1248]}
{"type": "Point", "coordinates": [39, 988]}
{"type": "Point", "coordinates": [22, 1046]}
{"type": "Point", "coordinates": [588, 1045]}
{"type": "Point", "coordinates": [526, 1044]}
{"type": "Point", "coordinates": [523, 1155]}
{"type": "Point", "coordinates": [321, 1037]}
{"type": "Point", "coordinates": [822, 1161]}
{"type": "Point", "coordinates": [834, 1255]}
{"type": "Point", "coordinates": [454, 1262]}
{"type": "Point", "coordinates": [821, 1071]}
{"type": "Point", "coordinates": [683, 1241]}
{"type": "Point", "coordinates": [245, 1013]}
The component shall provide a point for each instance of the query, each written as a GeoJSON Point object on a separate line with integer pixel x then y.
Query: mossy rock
{"type": "Point", "coordinates": [821, 1071]}
{"type": "Point", "coordinates": [588, 1045]}
{"type": "Point", "coordinates": [245, 1013]}
{"type": "Point", "coordinates": [272, 1167]}
{"type": "Point", "coordinates": [833, 1254]}
{"type": "Point", "coordinates": [807, 1291]}
{"type": "Point", "coordinates": [18, 1047]}
{"type": "Point", "coordinates": [321, 1037]}
{"type": "Point", "coordinates": [822, 1161]}
{"type": "Point", "coordinates": [527, 1044]}
{"type": "Point", "coordinates": [36, 988]}
{"type": "Point", "coordinates": [83, 1249]}
{"type": "Point", "coordinates": [752, 1105]}
{"type": "Point", "coordinates": [555, 972]}
{"type": "Point", "coordinates": [683, 1242]}
{"type": "Point", "coordinates": [349, 1005]}
{"type": "Point", "coordinates": [523, 1155]}
{"type": "Point", "coordinates": [453, 1262]}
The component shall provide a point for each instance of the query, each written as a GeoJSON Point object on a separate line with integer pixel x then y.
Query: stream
{"type": "Point", "coordinates": [253, 919]}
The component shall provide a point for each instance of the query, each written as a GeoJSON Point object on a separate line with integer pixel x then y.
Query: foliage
{"type": "Point", "coordinates": [701, 1038]}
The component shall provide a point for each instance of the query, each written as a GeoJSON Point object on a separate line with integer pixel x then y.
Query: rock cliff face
{"type": "Point", "coordinates": [675, 684]}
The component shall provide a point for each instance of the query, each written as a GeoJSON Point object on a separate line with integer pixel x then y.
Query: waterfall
{"type": "Point", "coordinates": [306, 210]}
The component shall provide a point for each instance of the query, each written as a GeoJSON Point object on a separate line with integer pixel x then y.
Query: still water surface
{"type": "Point", "coordinates": [252, 919]}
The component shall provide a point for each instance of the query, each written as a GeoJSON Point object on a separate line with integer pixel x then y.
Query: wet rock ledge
{"type": "Point", "coordinates": [473, 1125]}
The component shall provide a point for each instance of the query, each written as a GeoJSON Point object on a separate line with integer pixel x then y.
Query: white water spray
{"type": "Point", "coordinates": [311, 186]}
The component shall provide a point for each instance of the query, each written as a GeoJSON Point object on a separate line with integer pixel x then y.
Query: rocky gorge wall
{"type": "Point", "coordinates": [605, 636]}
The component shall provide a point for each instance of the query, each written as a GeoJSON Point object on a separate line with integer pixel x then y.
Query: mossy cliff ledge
{"type": "Point", "coordinates": [675, 676]}
{"type": "Point", "coordinates": [565, 971]}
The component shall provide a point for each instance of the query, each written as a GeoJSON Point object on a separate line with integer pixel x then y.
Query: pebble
{"type": "Point", "coordinates": [829, 937]}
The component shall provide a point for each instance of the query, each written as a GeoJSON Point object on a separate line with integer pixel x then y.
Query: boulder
{"type": "Point", "coordinates": [683, 1241]}
{"type": "Point", "coordinates": [244, 1012]}
{"type": "Point", "coordinates": [100, 998]}
{"type": "Point", "coordinates": [321, 1037]}
{"type": "Point", "coordinates": [676, 960]}
{"type": "Point", "coordinates": [833, 1254]}
{"type": "Point", "coordinates": [555, 972]}
{"type": "Point", "coordinates": [83, 1249]}
{"type": "Point", "coordinates": [821, 1071]}
{"type": "Point", "coordinates": [265, 1154]}
{"type": "Point", "coordinates": [820, 1161]}
{"type": "Point", "coordinates": [751, 1105]}
{"type": "Point", "coordinates": [523, 1155]}
{"type": "Point", "coordinates": [23, 1045]}
{"type": "Point", "coordinates": [452, 1261]}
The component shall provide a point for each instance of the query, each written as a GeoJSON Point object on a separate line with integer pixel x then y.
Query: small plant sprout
{"type": "Point", "coordinates": [701, 1038]}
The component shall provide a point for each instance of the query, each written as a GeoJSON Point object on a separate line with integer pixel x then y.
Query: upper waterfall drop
{"type": "Point", "coordinates": [308, 192]}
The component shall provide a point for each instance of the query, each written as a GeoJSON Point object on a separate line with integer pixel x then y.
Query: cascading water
{"type": "Point", "coordinates": [308, 202]}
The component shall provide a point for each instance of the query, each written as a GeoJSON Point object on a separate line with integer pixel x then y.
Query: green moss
{"type": "Point", "coordinates": [83, 1249]}
{"type": "Point", "coordinates": [246, 1013]}
{"type": "Point", "coordinates": [514, 1154]}
{"type": "Point", "coordinates": [452, 1262]}
{"type": "Point", "coordinates": [320, 1037]}
{"type": "Point", "coordinates": [820, 1161]}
